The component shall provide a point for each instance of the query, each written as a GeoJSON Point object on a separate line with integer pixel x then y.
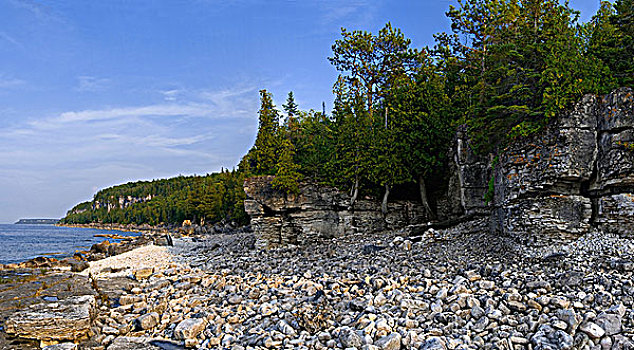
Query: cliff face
{"type": "Point", "coordinates": [123, 202]}
{"type": "Point", "coordinates": [316, 212]}
{"type": "Point", "coordinates": [575, 176]}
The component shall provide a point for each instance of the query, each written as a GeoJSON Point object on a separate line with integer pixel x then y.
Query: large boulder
{"type": "Point", "coordinates": [68, 319]}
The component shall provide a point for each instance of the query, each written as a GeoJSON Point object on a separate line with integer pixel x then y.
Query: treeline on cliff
{"type": "Point", "coordinates": [209, 199]}
{"type": "Point", "coordinates": [505, 70]}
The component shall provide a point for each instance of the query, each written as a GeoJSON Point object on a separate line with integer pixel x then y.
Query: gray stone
{"type": "Point", "coordinates": [433, 343]}
{"type": "Point", "coordinates": [477, 312]}
{"type": "Point", "coordinates": [482, 323]}
{"type": "Point", "coordinates": [79, 266]}
{"type": "Point", "coordinates": [350, 338]}
{"type": "Point", "coordinates": [141, 343]}
{"type": "Point", "coordinates": [147, 321]}
{"type": "Point", "coordinates": [189, 328]}
{"type": "Point", "coordinates": [61, 346]}
{"type": "Point", "coordinates": [67, 319]}
{"type": "Point", "coordinates": [592, 329]}
{"type": "Point", "coordinates": [611, 323]}
{"type": "Point", "coordinates": [391, 341]}
{"type": "Point", "coordinates": [548, 338]}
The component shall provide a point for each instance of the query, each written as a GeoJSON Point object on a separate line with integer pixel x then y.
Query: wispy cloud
{"type": "Point", "coordinates": [77, 150]}
{"type": "Point", "coordinates": [171, 95]}
{"type": "Point", "coordinates": [6, 83]}
{"type": "Point", "coordinates": [159, 110]}
{"type": "Point", "coordinates": [91, 84]}
{"type": "Point", "coordinates": [362, 11]}
{"type": "Point", "coordinates": [38, 10]}
{"type": "Point", "coordinates": [10, 39]}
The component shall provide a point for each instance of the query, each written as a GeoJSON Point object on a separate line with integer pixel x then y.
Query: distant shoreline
{"type": "Point", "coordinates": [37, 222]}
{"type": "Point", "coordinates": [119, 227]}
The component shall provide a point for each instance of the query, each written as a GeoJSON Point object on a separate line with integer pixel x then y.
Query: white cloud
{"type": "Point", "coordinates": [171, 95]}
{"type": "Point", "coordinates": [195, 110]}
{"type": "Point", "coordinates": [68, 153]}
{"type": "Point", "coordinates": [10, 39]}
{"type": "Point", "coordinates": [6, 83]}
{"type": "Point", "coordinates": [91, 84]}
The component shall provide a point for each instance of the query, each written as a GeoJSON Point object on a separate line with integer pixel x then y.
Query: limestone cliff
{"type": "Point", "coordinates": [574, 176]}
{"type": "Point", "coordinates": [316, 212]}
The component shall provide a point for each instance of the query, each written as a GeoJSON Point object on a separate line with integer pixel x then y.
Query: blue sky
{"type": "Point", "coordinates": [97, 93]}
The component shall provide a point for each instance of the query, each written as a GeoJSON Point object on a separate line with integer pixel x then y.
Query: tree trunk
{"type": "Point", "coordinates": [385, 117]}
{"type": "Point", "coordinates": [423, 198]}
{"type": "Point", "coordinates": [355, 191]}
{"type": "Point", "coordinates": [384, 202]}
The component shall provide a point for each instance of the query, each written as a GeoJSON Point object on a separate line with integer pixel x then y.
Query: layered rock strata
{"type": "Point", "coordinates": [573, 177]}
{"type": "Point", "coordinates": [68, 319]}
{"type": "Point", "coordinates": [316, 212]}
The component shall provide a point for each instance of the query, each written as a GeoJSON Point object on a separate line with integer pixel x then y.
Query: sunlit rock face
{"type": "Point", "coordinates": [574, 176]}
{"type": "Point", "coordinates": [317, 212]}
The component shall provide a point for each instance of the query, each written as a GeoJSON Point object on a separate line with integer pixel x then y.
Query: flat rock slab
{"type": "Point", "coordinates": [62, 346]}
{"type": "Point", "coordinates": [142, 343]}
{"type": "Point", "coordinates": [67, 319]}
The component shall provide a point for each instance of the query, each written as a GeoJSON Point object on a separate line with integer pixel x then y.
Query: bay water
{"type": "Point", "coordinates": [22, 242]}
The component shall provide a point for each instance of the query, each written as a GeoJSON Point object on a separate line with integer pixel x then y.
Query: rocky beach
{"type": "Point", "coordinates": [548, 265]}
{"type": "Point", "coordinates": [381, 291]}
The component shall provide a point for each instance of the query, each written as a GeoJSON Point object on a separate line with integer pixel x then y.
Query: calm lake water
{"type": "Point", "coordinates": [22, 242]}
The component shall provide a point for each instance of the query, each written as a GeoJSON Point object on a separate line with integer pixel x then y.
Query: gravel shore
{"type": "Point", "coordinates": [378, 291]}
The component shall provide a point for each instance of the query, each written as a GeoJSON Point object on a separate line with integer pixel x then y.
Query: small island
{"type": "Point", "coordinates": [37, 222]}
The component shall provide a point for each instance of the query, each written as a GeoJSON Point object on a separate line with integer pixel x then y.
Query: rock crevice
{"type": "Point", "coordinates": [573, 177]}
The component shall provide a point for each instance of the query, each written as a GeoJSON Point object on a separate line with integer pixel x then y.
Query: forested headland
{"type": "Point", "coordinates": [505, 70]}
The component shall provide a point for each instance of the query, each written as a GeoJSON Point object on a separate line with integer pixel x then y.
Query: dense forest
{"type": "Point", "coordinates": [505, 70]}
{"type": "Point", "coordinates": [212, 198]}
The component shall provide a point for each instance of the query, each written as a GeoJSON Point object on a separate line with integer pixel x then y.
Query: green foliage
{"type": "Point", "coordinates": [611, 39]}
{"type": "Point", "coordinates": [266, 142]}
{"type": "Point", "coordinates": [287, 176]}
{"type": "Point", "coordinates": [519, 64]}
{"type": "Point", "coordinates": [210, 198]}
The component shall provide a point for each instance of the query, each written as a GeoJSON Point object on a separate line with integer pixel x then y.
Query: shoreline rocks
{"type": "Point", "coordinates": [454, 292]}
{"type": "Point", "coordinates": [50, 323]}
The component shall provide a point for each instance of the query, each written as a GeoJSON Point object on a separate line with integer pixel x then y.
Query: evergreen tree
{"type": "Point", "coordinates": [611, 39]}
{"type": "Point", "coordinates": [370, 65]}
{"type": "Point", "coordinates": [291, 108]}
{"type": "Point", "coordinates": [421, 111]}
{"type": "Point", "coordinates": [266, 141]}
{"type": "Point", "coordinates": [287, 176]}
{"type": "Point", "coordinates": [521, 63]}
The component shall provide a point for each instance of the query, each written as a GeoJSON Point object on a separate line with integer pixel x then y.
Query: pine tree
{"type": "Point", "coordinates": [291, 108]}
{"type": "Point", "coordinates": [611, 39]}
{"type": "Point", "coordinates": [287, 176]}
{"type": "Point", "coordinates": [266, 141]}
{"type": "Point", "coordinates": [369, 65]}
